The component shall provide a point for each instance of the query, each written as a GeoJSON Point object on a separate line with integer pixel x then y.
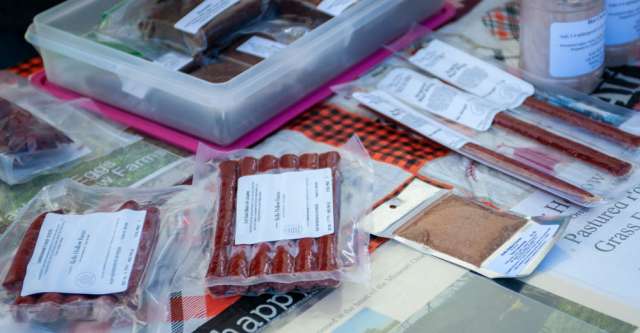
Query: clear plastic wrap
{"type": "Point", "coordinates": [154, 222]}
{"type": "Point", "coordinates": [297, 258]}
{"type": "Point", "coordinates": [577, 172]}
{"type": "Point", "coordinates": [190, 26]}
{"type": "Point", "coordinates": [39, 134]}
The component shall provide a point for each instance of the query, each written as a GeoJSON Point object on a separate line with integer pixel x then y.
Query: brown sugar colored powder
{"type": "Point", "coordinates": [462, 228]}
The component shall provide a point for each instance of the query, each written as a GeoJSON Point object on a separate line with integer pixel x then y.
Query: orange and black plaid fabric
{"type": "Point", "coordinates": [329, 124]}
{"type": "Point", "coordinates": [28, 67]}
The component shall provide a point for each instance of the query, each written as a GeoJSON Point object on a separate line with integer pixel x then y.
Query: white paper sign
{"type": "Point", "coordinates": [84, 254]}
{"type": "Point", "coordinates": [335, 7]}
{"type": "Point", "coordinates": [389, 107]}
{"type": "Point", "coordinates": [472, 74]}
{"type": "Point", "coordinates": [289, 205]}
{"type": "Point", "coordinates": [443, 100]}
{"type": "Point", "coordinates": [600, 246]}
{"type": "Point", "coordinates": [261, 47]}
{"type": "Point", "coordinates": [576, 48]}
{"type": "Point", "coordinates": [203, 14]}
{"type": "Point", "coordinates": [522, 249]}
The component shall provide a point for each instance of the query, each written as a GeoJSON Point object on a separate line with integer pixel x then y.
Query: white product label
{"type": "Point", "coordinates": [393, 109]}
{"type": "Point", "coordinates": [623, 21]}
{"type": "Point", "coordinates": [335, 7]}
{"type": "Point", "coordinates": [203, 14]}
{"type": "Point", "coordinates": [173, 60]}
{"type": "Point", "coordinates": [600, 247]}
{"type": "Point", "coordinates": [576, 48]}
{"type": "Point", "coordinates": [84, 254]}
{"type": "Point", "coordinates": [261, 47]}
{"type": "Point", "coordinates": [472, 74]}
{"type": "Point", "coordinates": [521, 249]}
{"type": "Point", "coordinates": [289, 205]}
{"type": "Point", "coordinates": [443, 100]}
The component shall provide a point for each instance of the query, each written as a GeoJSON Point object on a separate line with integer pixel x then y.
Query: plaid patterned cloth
{"type": "Point", "coordinates": [504, 22]}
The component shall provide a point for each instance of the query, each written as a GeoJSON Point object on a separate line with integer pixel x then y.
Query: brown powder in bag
{"type": "Point", "coordinates": [462, 228]}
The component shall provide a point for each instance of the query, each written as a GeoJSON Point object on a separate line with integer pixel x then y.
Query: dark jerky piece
{"type": "Point", "coordinates": [613, 165]}
{"type": "Point", "coordinates": [582, 121]}
{"type": "Point", "coordinates": [160, 23]}
{"type": "Point", "coordinates": [220, 70]}
{"type": "Point", "coordinates": [523, 170]}
{"type": "Point", "coordinates": [21, 132]}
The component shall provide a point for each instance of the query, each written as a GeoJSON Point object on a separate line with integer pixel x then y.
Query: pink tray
{"type": "Point", "coordinates": [188, 142]}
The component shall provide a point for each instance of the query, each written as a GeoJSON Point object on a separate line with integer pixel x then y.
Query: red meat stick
{"type": "Point", "coordinates": [305, 260]}
{"type": "Point", "coordinates": [327, 245]}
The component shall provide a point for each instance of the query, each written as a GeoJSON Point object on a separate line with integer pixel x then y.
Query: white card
{"type": "Point", "coordinates": [389, 107]}
{"type": "Point", "coordinates": [84, 254]}
{"type": "Point", "coordinates": [472, 74]}
{"type": "Point", "coordinates": [261, 47]}
{"type": "Point", "coordinates": [203, 14]}
{"type": "Point", "coordinates": [433, 96]}
{"type": "Point", "coordinates": [288, 205]}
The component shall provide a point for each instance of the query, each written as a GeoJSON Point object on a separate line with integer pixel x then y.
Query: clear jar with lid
{"type": "Point", "coordinates": [623, 32]}
{"type": "Point", "coordinates": [563, 41]}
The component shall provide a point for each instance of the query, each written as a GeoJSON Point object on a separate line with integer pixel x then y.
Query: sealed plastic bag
{"type": "Point", "coordinates": [190, 26]}
{"type": "Point", "coordinates": [78, 253]}
{"type": "Point", "coordinates": [284, 220]}
{"type": "Point", "coordinates": [578, 173]}
{"type": "Point", "coordinates": [39, 134]}
{"type": "Point", "coordinates": [330, 7]}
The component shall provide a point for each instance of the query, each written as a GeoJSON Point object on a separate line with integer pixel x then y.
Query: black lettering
{"type": "Point", "coordinates": [558, 206]}
{"type": "Point", "coordinates": [604, 247]}
{"type": "Point", "coordinates": [572, 238]}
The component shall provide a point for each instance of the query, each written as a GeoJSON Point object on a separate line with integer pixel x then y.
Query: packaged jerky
{"type": "Point", "coordinates": [89, 254]}
{"type": "Point", "coordinates": [284, 220]}
{"type": "Point", "coordinates": [39, 134]}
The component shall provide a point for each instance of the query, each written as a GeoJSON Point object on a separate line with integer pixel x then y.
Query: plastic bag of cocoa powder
{"type": "Point", "coordinates": [80, 255]}
{"type": "Point", "coordinates": [284, 220]}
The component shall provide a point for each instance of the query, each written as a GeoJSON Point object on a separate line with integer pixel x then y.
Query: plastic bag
{"type": "Point", "coordinates": [581, 174]}
{"type": "Point", "coordinates": [79, 253]}
{"type": "Point", "coordinates": [328, 192]}
{"type": "Point", "coordinates": [190, 26]}
{"type": "Point", "coordinates": [330, 7]}
{"type": "Point", "coordinates": [39, 134]}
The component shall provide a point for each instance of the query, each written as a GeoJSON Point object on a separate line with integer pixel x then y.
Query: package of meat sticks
{"type": "Point", "coordinates": [556, 108]}
{"type": "Point", "coordinates": [39, 134]}
{"type": "Point", "coordinates": [584, 180]}
{"type": "Point", "coordinates": [91, 255]}
{"type": "Point", "coordinates": [189, 26]}
{"type": "Point", "coordinates": [284, 220]}
{"type": "Point", "coordinates": [468, 233]}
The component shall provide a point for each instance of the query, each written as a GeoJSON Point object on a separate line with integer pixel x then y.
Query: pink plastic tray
{"type": "Point", "coordinates": [188, 142]}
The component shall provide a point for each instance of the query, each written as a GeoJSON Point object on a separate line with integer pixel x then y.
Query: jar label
{"type": "Point", "coordinates": [576, 48]}
{"type": "Point", "coordinates": [623, 21]}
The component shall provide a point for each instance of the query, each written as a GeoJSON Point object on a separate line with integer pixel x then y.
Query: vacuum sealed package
{"type": "Point", "coordinates": [91, 254]}
{"type": "Point", "coordinates": [190, 26]}
{"type": "Point", "coordinates": [284, 220]}
{"type": "Point", "coordinates": [466, 232]}
{"type": "Point", "coordinates": [331, 7]}
{"type": "Point", "coordinates": [558, 108]}
{"type": "Point", "coordinates": [578, 173]}
{"type": "Point", "coordinates": [39, 134]}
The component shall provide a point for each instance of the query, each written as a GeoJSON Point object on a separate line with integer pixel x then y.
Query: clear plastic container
{"type": "Point", "coordinates": [623, 32]}
{"type": "Point", "coordinates": [223, 112]}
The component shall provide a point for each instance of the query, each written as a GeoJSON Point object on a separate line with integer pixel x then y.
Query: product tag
{"type": "Point", "coordinates": [84, 254]}
{"type": "Point", "coordinates": [173, 60]}
{"type": "Point", "coordinates": [393, 109]}
{"type": "Point", "coordinates": [443, 100]}
{"type": "Point", "coordinates": [289, 205]}
{"type": "Point", "coordinates": [576, 48]}
{"type": "Point", "coordinates": [472, 74]}
{"type": "Point", "coordinates": [335, 7]}
{"type": "Point", "coordinates": [623, 21]}
{"type": "Point", "coordinates": [203, 14]}
{"type": "Point", "coordinates": [521, 249]}
{"type": "Point", "coordinates": [261, 47]}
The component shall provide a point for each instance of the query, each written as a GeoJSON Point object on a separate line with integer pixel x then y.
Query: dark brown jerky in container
{"type": "Point", "coordinates": [462, 228]}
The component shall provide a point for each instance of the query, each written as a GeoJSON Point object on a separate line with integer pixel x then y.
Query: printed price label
{"type": "Point", "coordinates": [203, 14]}
{"type": "Point", "coordinates": [84, 254]}
{"type": "Point", "coordinates": [472, 74]}
{"type": "Point", "coordinates": [389, 107]}
{"type": "Point", "coordinates": [289, 205]}
{"type": "Point", "coordinates": [443, 100]}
